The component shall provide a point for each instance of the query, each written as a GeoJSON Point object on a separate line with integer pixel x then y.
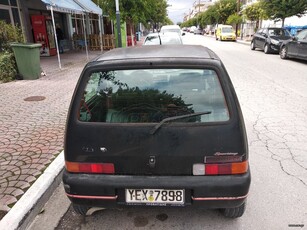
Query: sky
{"type": "Point", "coordinates": [178, 8]}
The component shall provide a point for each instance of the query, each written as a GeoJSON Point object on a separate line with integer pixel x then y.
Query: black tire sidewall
{"type": "Point", "coordinates": [252, 45]}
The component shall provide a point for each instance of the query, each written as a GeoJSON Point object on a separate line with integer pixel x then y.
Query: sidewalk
{"type": "Point", "coordinates": [32, 123]}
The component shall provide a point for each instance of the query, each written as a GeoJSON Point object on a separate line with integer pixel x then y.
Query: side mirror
{"type": "Point", "coordinates": [183, 34]}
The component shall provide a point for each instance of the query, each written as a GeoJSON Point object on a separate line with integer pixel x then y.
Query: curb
{"type": "Point", "coordinates": [31, 203]}
{"type": "Point", "coordinates": [243, 42]}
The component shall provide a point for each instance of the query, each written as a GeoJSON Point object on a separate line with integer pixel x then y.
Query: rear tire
{"type": "Point", "coordinates": [234, 212]}
{"type": "Point", "coordinates": [80, 209]}
{"type": "Point", "coordinates": [283, 52]}
{"type": "Point", "coordinates": [266, 49]}
{"type": "Point", "coordinates": [253, 45]}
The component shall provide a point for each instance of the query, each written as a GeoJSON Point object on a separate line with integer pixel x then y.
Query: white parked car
{"type": "Point", "coordinates": [171, 28]}
{"type": "Point", "coordinates": [167, 38]}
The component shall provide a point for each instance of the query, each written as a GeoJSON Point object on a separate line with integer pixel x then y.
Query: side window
{"type": "Point", "coordinates": [151, 95]}
{"type": "Point", "coordinates": [302, 35]}
{"type": "Point", "coordinates": [259, 31]}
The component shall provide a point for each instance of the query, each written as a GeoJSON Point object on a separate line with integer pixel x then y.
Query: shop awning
{"type": "Point", "coordinates": [75, 7]}
{"type": "Point", "coordinates": [89, 6]}
{"type": "Point", "coordinates": [67, 6]}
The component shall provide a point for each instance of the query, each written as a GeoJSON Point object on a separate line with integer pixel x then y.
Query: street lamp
{"type": "Point", "coordinates": [119, 35]}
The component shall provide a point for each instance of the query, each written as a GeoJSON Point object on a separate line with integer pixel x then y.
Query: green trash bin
{"type": "Point", "coordinates": [28, 59]}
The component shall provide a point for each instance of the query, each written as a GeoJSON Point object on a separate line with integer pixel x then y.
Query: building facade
{"type": "Point", "coordinates": [73, 24]}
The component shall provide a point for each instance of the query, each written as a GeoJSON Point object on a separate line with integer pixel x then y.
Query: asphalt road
{"type": "Point", "coordinates": [273, 97]}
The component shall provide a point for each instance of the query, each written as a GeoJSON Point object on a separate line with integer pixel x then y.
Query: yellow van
{"type": "Point", "coordinates": [225, 32]}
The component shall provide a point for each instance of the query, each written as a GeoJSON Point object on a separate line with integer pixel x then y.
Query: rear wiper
{"type": "Point", "coordinates": [177, 118]}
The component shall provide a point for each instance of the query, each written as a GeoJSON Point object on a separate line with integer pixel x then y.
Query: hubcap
{"type": "Point", "coordinates": [283, 52]}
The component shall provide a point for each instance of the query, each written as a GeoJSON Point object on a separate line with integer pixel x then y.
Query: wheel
{"type": "Point", "coordinates": [253, 45]}
{"type": "Point", "coordinates": [283, 52]}
{"type": "Point", "coordinates": [266, 49]}
{"type": "Point", "coordinates": [233, 212]}
{"type": "Point", "coordinates": [80, 209]}
{"type": "Point", "coordinates": [216, 38]}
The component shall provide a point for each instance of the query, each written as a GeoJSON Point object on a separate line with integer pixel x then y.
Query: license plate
{"type": "Point", "coordinates": [155, 196]}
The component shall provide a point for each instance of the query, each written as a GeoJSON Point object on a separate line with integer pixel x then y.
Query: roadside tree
{"type": "Point", "coordinates": [225, 8]}
{"type": "Point", "coordinates": [138, 11]}
{"type": "Point", "coordinates": [254, 13]}
{"type": "Point", "coordinates": [210, 16]}
{"type": "Point", "coordinates": [279, 9]}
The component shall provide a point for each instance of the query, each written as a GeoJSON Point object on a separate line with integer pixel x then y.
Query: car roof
{"type": "Point", "coordinates": [158, 51]}
{"type": "Point", "coordinates": [170, 27]}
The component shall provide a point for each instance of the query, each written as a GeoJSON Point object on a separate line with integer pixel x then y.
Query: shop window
{"type": "Point", "coordinates": [5, 15]}
{"type": "Point", "coordinates": [16, 16]}
{"type": "Point", "coordinates": [4, 2]}
{"type": "Point", "coordinates": [13, 2]}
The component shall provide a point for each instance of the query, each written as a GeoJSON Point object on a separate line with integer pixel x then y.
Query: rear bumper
{"type": "Point", "coordinates": [228, 38]}
{"type": "Point", "coordinates": [203, 191]}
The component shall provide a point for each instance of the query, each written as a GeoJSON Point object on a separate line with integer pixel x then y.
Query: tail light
{"type": "Point", "coordinates": [221, 165]}
{"type": "Point", "coordinates": [104, 168]}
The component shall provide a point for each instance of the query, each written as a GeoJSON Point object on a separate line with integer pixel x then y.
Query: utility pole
{"type": "Point", "coordinates": [238, 11]}
{"type": "Point", "coordinates": [198, 13]}
{"type": "Point", "coordinates": [119, 35]}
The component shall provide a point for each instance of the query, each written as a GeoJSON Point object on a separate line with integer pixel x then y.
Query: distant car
{"type": "Point", "coordinates": [167, 38]}
{"type": "Point", "coordinates": [269, 39]}
{"type": "Point", "coordinates": [192, 28]}
{"type": "Point", "coordinates": [225, 33]}
{"type": "Point", "coordinates": [156, 126]}
{"type": "Point", "coordinates": [296, 47]}
{"type": "Point", "coordinates": [171, 28]}
{"type": "Point", "coordinates": [198, 31]}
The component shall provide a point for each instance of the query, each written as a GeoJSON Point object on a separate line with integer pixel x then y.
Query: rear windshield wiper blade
{"type": "Point", "coordinates": [177, 118]}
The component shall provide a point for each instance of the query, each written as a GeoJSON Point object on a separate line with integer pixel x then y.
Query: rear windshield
{"type": "Point", "coordinates": [227, 30]}
{"type": "Point", "coordinates": [171, 30]}
{"type": "Point", "coordinates": [162, 40]}
{"type": "Point", "coordinates": [151, 95]}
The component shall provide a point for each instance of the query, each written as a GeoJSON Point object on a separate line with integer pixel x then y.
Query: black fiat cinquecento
{"type": "Point", "coordinates": [156, 126]}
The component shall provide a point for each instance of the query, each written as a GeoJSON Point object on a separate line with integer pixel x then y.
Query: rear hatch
{"type": "Point", "coordinates": [154, 121]}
